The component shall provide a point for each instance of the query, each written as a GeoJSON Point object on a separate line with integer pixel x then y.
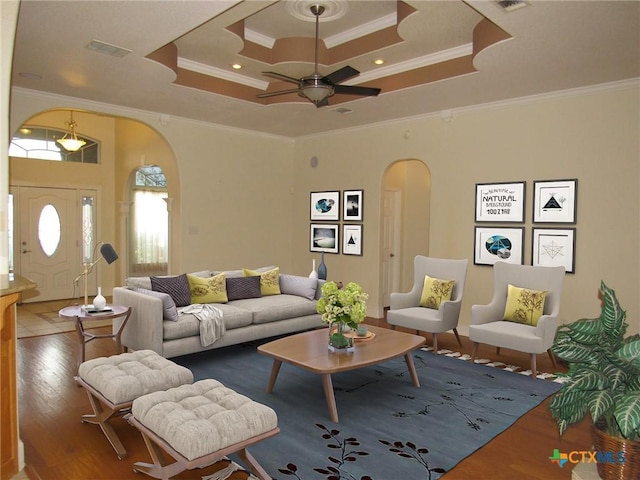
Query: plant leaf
{"type": "Point", "coordinates": [612, 315]}
{"type": "Point", "coordinates": [599, 403]}
{"type": "Point", "coordinates": [630, 352]}
{"type": "Point", "coordinates": [627, 413]}
{"type": "Point", "coordinates": [586, 326]}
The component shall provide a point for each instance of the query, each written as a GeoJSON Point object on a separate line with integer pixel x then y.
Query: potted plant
{"type": "Point", "coordinates": [343, 309]}
{"type": "Point", "coordinates": [603, 380]}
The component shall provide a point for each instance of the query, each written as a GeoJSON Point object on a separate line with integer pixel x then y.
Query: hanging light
{"type": "Point", "coordinates": [70, 141]}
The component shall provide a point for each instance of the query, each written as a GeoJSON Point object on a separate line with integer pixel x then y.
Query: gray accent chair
{"type": "Point", "coordinates": [405, 310]}
{"type": "Point", "coordinates": [487, 324]}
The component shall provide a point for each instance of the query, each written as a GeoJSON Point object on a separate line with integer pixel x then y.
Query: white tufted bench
{"type": "Point", "coordinates": [113, 383]}
{"type": "Point", "coordinates": [200, 424]}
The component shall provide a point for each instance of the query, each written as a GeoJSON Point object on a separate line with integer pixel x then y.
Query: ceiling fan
{"type": "Point", "coordinates": [317, 88]}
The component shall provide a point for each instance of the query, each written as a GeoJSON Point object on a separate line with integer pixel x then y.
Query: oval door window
{"type": "Point", "coordinates": [49, 230]}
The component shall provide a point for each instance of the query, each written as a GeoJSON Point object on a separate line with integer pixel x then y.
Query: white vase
{"type": "Point", "coordinates": [313, 273]}
{"type": "Point", "coordinates": [99, 303]}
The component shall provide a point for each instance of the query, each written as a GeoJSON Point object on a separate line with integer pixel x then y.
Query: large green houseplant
{"type": "Point", "coordinates": [603, 378]}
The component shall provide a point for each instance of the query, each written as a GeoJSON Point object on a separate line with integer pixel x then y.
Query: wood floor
{"type": "Point", "coordinates": [59, 447]}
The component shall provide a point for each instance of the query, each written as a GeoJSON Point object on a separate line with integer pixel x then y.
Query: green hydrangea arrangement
{"type": "Point", "coordinates": [346, 305]}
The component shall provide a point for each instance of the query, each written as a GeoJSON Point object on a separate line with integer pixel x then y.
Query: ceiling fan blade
{"type": "Point", "coordinates": [341, 75]}
{"type": "Point", "coordinates": [355, 90]}
{"type": "Point", "coordinates": [279, 92]}
{"type": "Point", "coordinates": [280, 76]}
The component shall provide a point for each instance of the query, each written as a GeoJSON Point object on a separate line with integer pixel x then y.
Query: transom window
{"type": "Point", "coordinates": [40, 143]}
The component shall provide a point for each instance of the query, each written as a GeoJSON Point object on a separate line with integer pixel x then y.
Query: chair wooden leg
{"type": "Point", "coordinates": [455, 330]}
{"type": "Point", "coordinates": [435, 343]}
{"type": "Point", "coordinates": [553, 358]}
{"type": "Point", "coordinates": [534, 371]}
{"type": "Point", "coordinates": [474, 352]}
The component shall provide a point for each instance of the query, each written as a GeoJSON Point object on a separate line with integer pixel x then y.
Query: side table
{"type": "Point", "coordinates": [80, 317]}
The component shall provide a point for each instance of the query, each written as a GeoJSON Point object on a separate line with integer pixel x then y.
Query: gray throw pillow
{"type": "Point", "coordinates": [300, 286]}
{"type": "Point", "coordinates": [239, 288]}
{"type": "Point", "coordinates": [169, 310]}
{"type": "Point", "coordinates": [138, 282]}
{"type": "Point", "coordinates": [177, 287]}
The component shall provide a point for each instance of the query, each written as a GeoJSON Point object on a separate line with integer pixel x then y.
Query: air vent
{"type": "Point", "coordinates": [102, 47]}
{"type": "Point", "coordinates": [342, 110]}
{"type": "Point", "coordinates": [511, 5]}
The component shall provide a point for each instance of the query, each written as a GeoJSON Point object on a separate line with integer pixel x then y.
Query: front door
{"type": "Point", "coordinates": [48, 244]}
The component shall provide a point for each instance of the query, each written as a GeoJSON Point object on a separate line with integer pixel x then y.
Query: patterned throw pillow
{"type": "Point", "coordinates": [239, 288]}
{"type": "Point", "coordinates": [524, 305]}
{"type": "Point", "coordinates": [435, 291]}
{"type": "Point", "coordinates": [208, 290]}
{"type": "Point", "coordinates": [169, 310]}
{"type": "Point", "coordinates": [269, 281]}
{"type": "Point", "coordinates": [177, 287]}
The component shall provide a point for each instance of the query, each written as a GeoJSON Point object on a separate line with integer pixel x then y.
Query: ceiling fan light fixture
{"type": "Point", "coordinates": [315, 89]}
{"type": "Point", "coordinates": [70, 142]}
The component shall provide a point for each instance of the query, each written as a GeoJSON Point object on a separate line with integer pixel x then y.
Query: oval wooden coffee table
{"type": "Point", "coordinates": [309, 350]}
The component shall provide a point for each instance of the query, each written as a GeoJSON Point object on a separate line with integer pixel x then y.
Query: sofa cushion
{"type": "Point", "coordinates": [272, 308]}
{"type": "Point", "coordinates": [177, 287]}
{"type": "Point", "coordinates": [269, 283]}
{"type": "Point", "coordinates": [301, 286]}
{"type": "Point", "coordinates": [169, 310]}
{"type": "Point", "coordinates": [189, 326]}
{"type": "Point", "coordinates": [207, 290]}
{"type": "Point", "coordinates": [243, 287]}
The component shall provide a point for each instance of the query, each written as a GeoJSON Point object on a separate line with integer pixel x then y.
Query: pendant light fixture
{"type": "Point", "coordinates": [70, 142]}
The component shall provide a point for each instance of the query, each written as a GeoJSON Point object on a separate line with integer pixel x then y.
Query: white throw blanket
{"type": "Point", "coordinates": [211, 322]}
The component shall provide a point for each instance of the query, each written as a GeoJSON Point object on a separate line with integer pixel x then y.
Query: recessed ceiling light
{"type": "Point", "coordinates": [379, 61]}
{"type": "Point", "coordinates": [25, 131]}
{"type": "Point", "coordinates": [236, 66]}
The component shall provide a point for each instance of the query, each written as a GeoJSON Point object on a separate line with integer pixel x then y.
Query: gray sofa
{"type": "Point", "coordinates": [245, 319]}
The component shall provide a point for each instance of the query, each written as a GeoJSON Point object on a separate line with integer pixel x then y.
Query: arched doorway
{"type": "Point", "coordinates": [406, 205]}
{"type": "Point", "coordinates": [125, 144]}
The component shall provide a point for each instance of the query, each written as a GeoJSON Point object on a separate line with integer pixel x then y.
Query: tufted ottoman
{"type": "Point", "coordinates": [200, 424]}
{"type": "Point", "coordinates": [112, 383]}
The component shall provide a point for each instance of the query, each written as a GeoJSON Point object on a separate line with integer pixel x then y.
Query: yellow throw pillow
{"type": "Point", "coordinates": [208, 290]}
{"type": "Point", "coordinates": [524, 305]}
{"type": "Point", "coordinates": [269, 280]}
{"type": "Point", "coordinates": [435, 291]}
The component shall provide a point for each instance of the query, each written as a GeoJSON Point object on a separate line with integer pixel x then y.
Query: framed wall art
{"type": "Point", "coordinates": [324, 238]}
{"type": "Point", "coordinates": [554, 201]}
{"type": "Point", "coordinates": [325, 206]}
{"type": "Point", "coordinates": [500, 202]}
{"type": "Point", "coordinates": [493, 244]}
{"type": "Point", "coordinates": [553, 247]}
{"type": "Point", "coordinates": [352, 204]}
{"type": "Point", "coordinates": [352, 239]}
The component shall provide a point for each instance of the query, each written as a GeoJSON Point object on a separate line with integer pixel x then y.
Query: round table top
{"type": "Point", "coordinates": [77, 311]}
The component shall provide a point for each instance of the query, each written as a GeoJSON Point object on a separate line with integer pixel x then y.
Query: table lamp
{"type": "Point", "coordinates": [109, 255]}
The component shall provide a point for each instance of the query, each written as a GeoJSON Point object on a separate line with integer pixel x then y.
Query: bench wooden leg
{"type": "Point", "coordinates": [253, 464]}
{"type": "Point", "coordinates": [160, 468]}
{"type": "Point", "coordinates": [101, 418]}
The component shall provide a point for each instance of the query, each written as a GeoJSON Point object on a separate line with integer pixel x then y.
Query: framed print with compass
{"type": "Point", "coordinates": [553, 247]}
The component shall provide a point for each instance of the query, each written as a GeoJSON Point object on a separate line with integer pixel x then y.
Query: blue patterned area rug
{"type": "Point", "coordinates": [388, 428]}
